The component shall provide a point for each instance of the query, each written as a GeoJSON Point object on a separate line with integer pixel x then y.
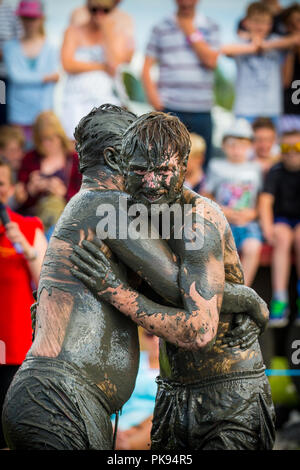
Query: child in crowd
{"type": "Point", "coordinates": [265, 143]}
{"type": "Point", "coordinates": [12, 145]}
{"type": "Point", "coordinates": [12, 150]}
{"type": "Point", "coordinates": [194, 178]}
{"type": "Point", "coordinates": [235, 183]}
{"type": "Point", "coordinates": [259, 72]}
{"type": "Point", "coordinates": [279, 210]}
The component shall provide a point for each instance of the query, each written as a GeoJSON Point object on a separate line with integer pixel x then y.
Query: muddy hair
{"type": "Point", "coordinates": [103, 127]}
{"type": "Point", "coordinates": [156, 133]}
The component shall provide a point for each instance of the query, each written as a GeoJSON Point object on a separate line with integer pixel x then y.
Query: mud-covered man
{"type": "Point", "coordinates": [210, 396]}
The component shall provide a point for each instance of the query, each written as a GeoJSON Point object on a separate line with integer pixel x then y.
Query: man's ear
{"type": "Point", "coordinates": [111, 158]}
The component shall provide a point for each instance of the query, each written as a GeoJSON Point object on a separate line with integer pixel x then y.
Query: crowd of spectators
{"type": "Point", "coordinates": [256, 180]}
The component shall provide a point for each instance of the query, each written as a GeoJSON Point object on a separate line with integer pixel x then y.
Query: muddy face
{"type": "Point", "coordinates": [152, 179]}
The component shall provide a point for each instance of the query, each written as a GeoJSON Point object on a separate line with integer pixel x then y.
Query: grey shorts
{"type": "Point", "coordinates": [51, 405]}
{"type": "Point", "coordinates": [228, 412]}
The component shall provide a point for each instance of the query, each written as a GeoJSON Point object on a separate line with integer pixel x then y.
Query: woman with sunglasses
{"type": "Point", "coordinates": [91, 53]}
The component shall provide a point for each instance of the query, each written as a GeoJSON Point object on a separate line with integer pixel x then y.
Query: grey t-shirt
{"type": "Point", "coordinates": [235, 185]}
{"type": "Point", "coordinates": [259, 83]}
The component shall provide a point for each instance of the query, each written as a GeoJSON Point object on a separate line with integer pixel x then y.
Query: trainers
{"type": "Point", "coordinates": [297, 319]}
{"type": "Point", "coordinates": [279, 312]}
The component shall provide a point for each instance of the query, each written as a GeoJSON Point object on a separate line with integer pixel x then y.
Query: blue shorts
{"type": "Point", "coordinates": [245, 232]}
{"type": "Point", "coordinates": [291, 222]}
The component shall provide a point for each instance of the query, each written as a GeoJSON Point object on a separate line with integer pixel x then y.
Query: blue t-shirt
{"type": "Point", "coordinates": [259, 83]}
{"type": "Point", "coordinates": [28, 96]}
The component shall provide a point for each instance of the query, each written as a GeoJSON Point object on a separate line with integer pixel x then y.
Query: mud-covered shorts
{"type": "Point", "coordinates": [51, 405]}
{"type": "Point", "coordinates": [233, 412]}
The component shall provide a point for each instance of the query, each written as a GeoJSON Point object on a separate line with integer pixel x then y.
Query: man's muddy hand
{"type": "Point", "coordinates": [244, 334]}
{"type": "Point", "coordinates": [94, 269]}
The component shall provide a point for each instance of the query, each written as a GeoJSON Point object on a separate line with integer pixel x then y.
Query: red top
{"type": "Point", "coordinates": [15, 293]}
{"type": "Point", "coordinates": [70, 176]}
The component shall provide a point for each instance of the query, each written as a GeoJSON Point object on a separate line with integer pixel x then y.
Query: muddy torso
{"type": "Point", "coordinates": [191, 366]}
{"type": "Point", "coordinates": [72, 324]}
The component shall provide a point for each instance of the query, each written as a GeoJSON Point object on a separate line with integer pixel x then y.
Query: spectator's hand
{"type": "Point", "coordinates": [246, 215]}
{"type": "Point", "coordinates": [268, 233]}
{"type": "Point", "coordinates": [14, 234]}
{"type": "Point", "coordinates": [52, 77]}
{"type": "Point", "coordinates": [37, 183]}
{"type": "Point", "coordinates": [110, 69]}
{"type": "Point", "coordinates": [20, 193]}
{"type": "Point", "coordinates": [56, 186]}
{"type": "Point", "coordinates": [232, 215]}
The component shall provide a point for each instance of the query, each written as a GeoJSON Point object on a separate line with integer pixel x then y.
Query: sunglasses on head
{"type": "Point", "coordinates": [287, 148]}
{"type": "Point", "coordinates": [94, 10]}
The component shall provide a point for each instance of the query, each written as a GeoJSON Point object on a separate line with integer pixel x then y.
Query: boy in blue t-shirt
{"type": "Point", "coordinates": [259, 72]}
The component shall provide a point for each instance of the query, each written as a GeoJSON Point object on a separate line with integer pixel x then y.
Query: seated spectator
{"type": "Point", "coordinates": [194, 177]}
{"type": "Point", "coordinates": [259, 71]}
{"type": "Point", "coordinates": [91, 53]}
{"type": "Point", "coordinates": [32, 66]}
{"type": "Point", "coordinates": [264, 143]}
{"type": "Point", "coordinates": [50, 171]}
{"type": "Point", "coordinates": [291, 74]}
{"type": "Point", "coordinates": [22, 249]}
{"type": "Point", "coordinates": [135, 422]}
{"type": "Point", "coordinates": [279, 210]}
{"type": "Point", "coordinates": [235, 183]}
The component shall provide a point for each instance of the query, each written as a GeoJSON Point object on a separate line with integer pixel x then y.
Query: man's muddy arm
{"type": "Point", "coordinates": [193, 327]}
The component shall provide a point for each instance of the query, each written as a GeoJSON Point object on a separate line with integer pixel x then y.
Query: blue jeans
{"type": "Point", "coordinates": [200, 123]}
{"type": "Point", "coordinates": [243, 233]}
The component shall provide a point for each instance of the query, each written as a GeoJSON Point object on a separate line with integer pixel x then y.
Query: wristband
{"type": "Point", "coordinates": [196, 36]}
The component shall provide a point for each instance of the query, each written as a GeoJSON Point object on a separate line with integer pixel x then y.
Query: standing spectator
{"type": "Point", "coordinates": [185, 48]}
{"type": "Point", "coordinates": [10, 28]}
{"type": "Point", "coordinates": [291, 74]}
{"type": "Point", "coordinates": [279, 209]}
{"type": "Point", "coordinates": [194, 177]}
{"type": "Point", "coordinates": [32, 66]}
{"type": "Point", "coordinates": [264, 143]}
{"type": "Point", "coordinates": [235, 183]}
{"type": "Point", "coordinates": [259, 73]}
{"type": "Point", "coordinates": [91, 54]}
{"type": "Point", "coordinates": [22, 249]}
{"type": "Point", "coordinates": [50, 171]}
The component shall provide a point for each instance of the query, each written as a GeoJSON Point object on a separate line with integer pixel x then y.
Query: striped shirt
{"type": "Point", "coordinates": [10, 28]}
{"type": "Point", "coordinates": [185, 84]}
